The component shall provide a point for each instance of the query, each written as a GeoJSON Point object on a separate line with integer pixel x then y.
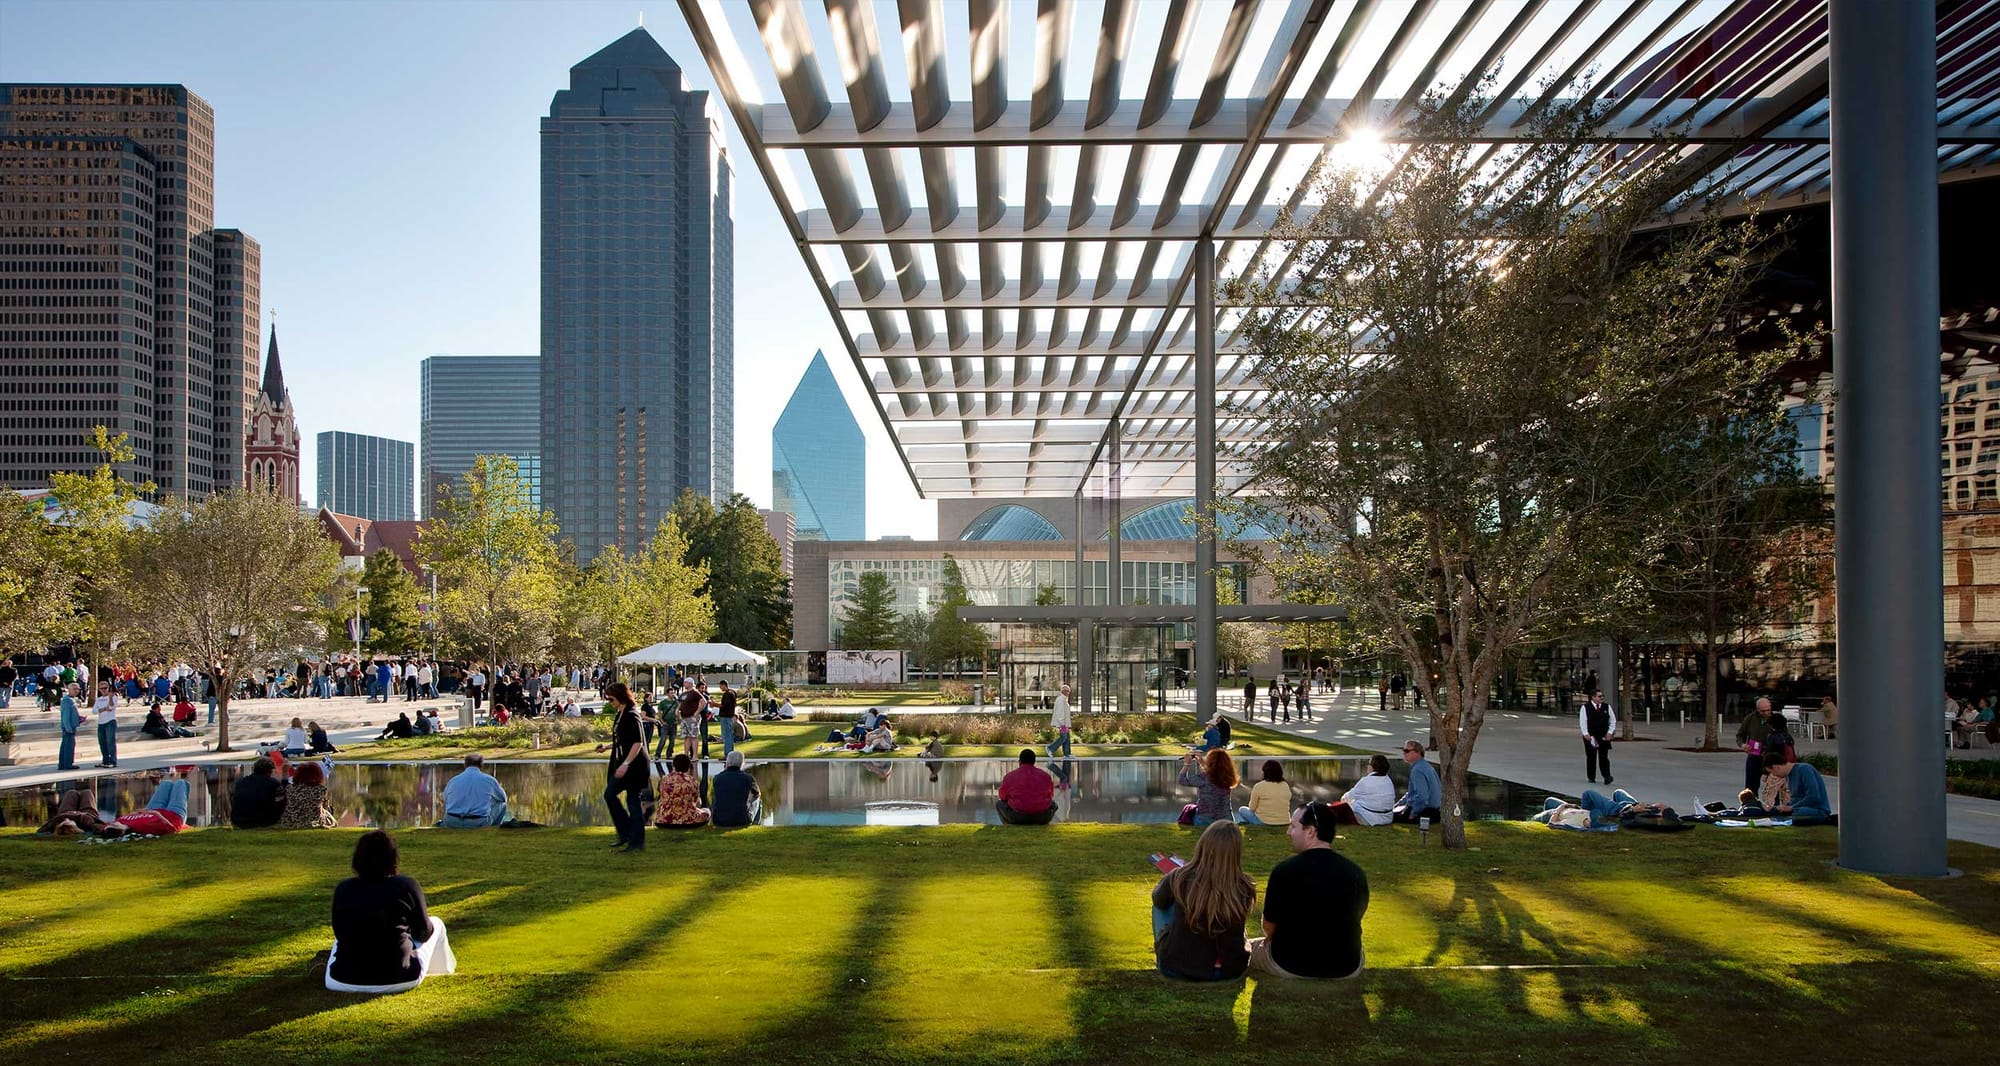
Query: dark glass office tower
{"type": "Point", "coordinates": [819, 472]}
{"type": "Point", "coordinates": [637, 323]}
{"type": "Point", "coordinates": [476, 405]}
{"type": "Point", "coordinates": [367, 477]}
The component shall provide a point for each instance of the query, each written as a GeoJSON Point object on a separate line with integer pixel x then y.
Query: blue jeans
{"type": "Point", "coordinates": [107, 742]}
{"type": "Point", "coordinates": [1603, 810]}
{"type": "Point", "coordinates": [728, 735]}
{"type": "Point", "coordinates": [1061, 741]}
{"type": "Point", "coordinates": [1246, 816]}
{"type": "Point", "coordinates": [66, 754]}
{"type": "Point", "coordinates": [1202, 820]}
{"type": "Point", "coordinates": [211, 709]}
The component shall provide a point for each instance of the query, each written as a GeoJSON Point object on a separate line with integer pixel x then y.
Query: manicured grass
{"type": "Point", "coordinates": [986, 943]}
{"type": "Point", "coordinates": [802, 740]}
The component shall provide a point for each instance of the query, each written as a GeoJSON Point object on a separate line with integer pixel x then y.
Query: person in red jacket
{"type": "Point", "coordinates": [1027, 794]}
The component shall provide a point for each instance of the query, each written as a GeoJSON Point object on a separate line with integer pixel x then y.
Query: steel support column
{"type": "Point", "coordinates": [1086, 626]}
{"type": "Point", "coordinates": [1114, 514]}
{"type": "Point", "coordinates": [1205, 674]}
{"type": "Point", "coordinates": [1888, 529]}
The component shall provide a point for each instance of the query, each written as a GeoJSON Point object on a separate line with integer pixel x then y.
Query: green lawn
{"type": "Point", "coordinates": [802, 740]}
{"type": "Point", "coordinates": [973, 943]}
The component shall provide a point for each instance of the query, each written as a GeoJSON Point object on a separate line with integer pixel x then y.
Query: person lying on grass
{"type": "Point", "coordinates": [1199, 909]}
{"type": "Point", "coordinates": [384, 939]}
{"type": "Point", "coordinates": [1593, 810]}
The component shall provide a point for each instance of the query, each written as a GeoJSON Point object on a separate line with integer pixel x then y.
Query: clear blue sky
{"type": "Point", "coordinates": [386, 156]}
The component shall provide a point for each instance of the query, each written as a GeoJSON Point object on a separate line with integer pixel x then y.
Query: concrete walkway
{"type": "Point", "coordinates": [1544, 751]}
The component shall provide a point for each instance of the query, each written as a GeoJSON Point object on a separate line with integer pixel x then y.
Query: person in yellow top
{"type": "Point", "coordinates": [1270, 799]}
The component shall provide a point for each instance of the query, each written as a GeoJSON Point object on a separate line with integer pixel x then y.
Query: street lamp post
{"type": "Point", "coordinates": [359, 590]}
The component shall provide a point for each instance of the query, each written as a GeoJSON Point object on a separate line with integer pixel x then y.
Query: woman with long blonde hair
{"type": "Point", "coordinates": [1199, 910]}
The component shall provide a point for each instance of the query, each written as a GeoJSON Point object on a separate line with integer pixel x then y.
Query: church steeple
{"type": "Point", "coordinates": [274, 374]}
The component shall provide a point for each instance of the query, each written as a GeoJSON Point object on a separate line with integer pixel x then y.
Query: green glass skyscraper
{"type": "Point", "coordinates": [638, 337]}
{"type": "Point", "coordinates": [819, 473]}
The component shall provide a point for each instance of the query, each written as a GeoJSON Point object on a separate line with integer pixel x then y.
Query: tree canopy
{"type": "Point", "coordinates": [1484, 362]}
{"type": "Point", "coordinates": [871, 613]}
{"type": "Point", "coordinates": [745, 571]}
{"type": "Point", "coordinates": [494, 553]}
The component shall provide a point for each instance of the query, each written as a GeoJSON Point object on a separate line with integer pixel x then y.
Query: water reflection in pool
{"type": "Point", "coordinates": [804, 792]}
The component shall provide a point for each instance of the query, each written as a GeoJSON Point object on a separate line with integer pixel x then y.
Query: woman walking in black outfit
{"type": "Point", "coordinates": [629, 771]}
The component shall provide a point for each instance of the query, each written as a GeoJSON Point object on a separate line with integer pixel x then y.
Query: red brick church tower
{"type": "Point", "coordinates": [272, 448]}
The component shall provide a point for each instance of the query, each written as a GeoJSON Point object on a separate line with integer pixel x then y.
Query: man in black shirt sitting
{"type": "Point", "coordinates": [1312, 905]}
{"type": "Point", "coordinates": [735, 795]}
{"type": "Point", "coordinates": [257, 800]}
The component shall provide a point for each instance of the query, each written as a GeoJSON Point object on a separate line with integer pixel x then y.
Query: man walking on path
{"type": "Point", "coordinates": [1059, 718]}
{"type": "Point", "coordinates": [1596, 721]}
{"type": "Point", "coordinates": [1250, 699]}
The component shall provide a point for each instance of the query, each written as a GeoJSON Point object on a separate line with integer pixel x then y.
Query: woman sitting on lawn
{"type": "Point", "coordinates": [384, 940]}
{"type": "Point", "coordinates": [305, 800]}
{"type": "Point", "coordinates": [1270, 799]}
{"type": "Point", "coordinates": [1199, 909]}
{"type": "Point", "coordinates": [1212, 778]}
{"type": "Point", "coordinates": [1371, 800]}
{"type": "Point", "coordinates": [321, 743]}
{"type": "Point", "coordinates": [680, 798]}
{"type": "Point", "coordinates": [880, 738]}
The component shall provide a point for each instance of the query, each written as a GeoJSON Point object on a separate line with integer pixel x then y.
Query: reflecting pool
{"type": "Point", "coordinates": [795, 792]}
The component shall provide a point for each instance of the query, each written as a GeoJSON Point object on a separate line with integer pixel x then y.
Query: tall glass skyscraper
{"type": "Point", "coordinates": [476, 405]}
{"type": "Point", "coordinates": [638, 335]}
{"type": "Point", "coordinates": [818, 470]}
{"type": "Point", "coordinates": [367, 477]}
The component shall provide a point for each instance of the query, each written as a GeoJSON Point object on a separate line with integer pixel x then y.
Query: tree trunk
{"type": "Point", "coordinates": [1627, 662]}
{"type": "Point", "coordinates": [1710, 698]}
{"type": "Point", "coordinates": [227, 685]}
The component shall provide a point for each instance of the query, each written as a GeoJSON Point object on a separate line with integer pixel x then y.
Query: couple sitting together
{"type": "Point", "coordinates": [1313, 906]}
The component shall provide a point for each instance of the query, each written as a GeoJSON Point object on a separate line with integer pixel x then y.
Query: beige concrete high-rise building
{"type": "Point", "coordinates": [120, 284]}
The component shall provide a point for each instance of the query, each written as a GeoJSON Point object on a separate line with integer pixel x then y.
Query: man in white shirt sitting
{"type": "Point", "coordinates": [473, 799]}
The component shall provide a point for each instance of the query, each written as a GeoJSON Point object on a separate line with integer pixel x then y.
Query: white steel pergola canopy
{"type": "Point", "coordinates": [1002, 208]}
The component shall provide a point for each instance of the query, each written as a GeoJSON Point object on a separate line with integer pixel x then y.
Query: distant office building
{"type": "Point", "coordinates": [271, 449]}
{"type": "Point", "coordinates": [476, 405]}
{"type": "Point", "coordinates": [368, 477]}
{"type": "Point", "coordinates": [637, 282]}
{"type": "Point", "coordinates": [819, 471]}
{"type": "Point", "coordinates": [145, 266]}
{"type": "Point", "coordinates": [783, 529]}
{"type": "Point", "coordinates": [238, 326]}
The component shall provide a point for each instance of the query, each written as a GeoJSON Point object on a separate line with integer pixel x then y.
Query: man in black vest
{"type": "Point", "coordinates": [1596, 721]}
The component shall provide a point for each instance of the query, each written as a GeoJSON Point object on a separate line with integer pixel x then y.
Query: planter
{"type": "Point", "coordinates": [9, 752]}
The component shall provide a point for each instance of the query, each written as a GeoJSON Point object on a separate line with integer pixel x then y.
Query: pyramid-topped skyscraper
{"type": "Point", "coordinates": [819, 472]}
{"type": "Point", "coordinates": [638, 329]}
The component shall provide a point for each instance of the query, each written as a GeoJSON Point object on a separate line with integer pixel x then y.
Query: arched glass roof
{"type": "Point", "coordinates": [1010, 521]}
{"type": "Point", "coordinates": [1174, 520]}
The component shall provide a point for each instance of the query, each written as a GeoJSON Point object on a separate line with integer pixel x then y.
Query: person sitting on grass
{"type": "Point", "coordinates": [258, 799]}
{"type": "Point", "coordinates": [880, 738]}
{"type": "Point", "coordinates": [680, 798]}
{"type": "Point", "coordinates": [1809, 804]}
{"type": "Point", "coordinates": [384, 938]}
{"type": "Point", "coordinates": [184, 711]}
{"type": "Point", "coordinates": [735, 794]}
{"type": "Point", "coordinates": [305, 800]}
{"type": "Point", "coordinates": [401, 727]}
{"type": "Point", "coordinates": [1027, 794]}
{"type": "Point", "coordinates": [319, 742]}
{"type": "Point", "coordinates": [1371, 799]}
{"type": "Point", "coordinates": [1270, 799]}
{"type": "Point", "coordinates": [933, 754]}
{"type": "Point", "coordinates": [1313, 905]}
{"type": "Point", "coordinates": [1215, 736]}
{"type": "Point", "coordinates": [296, 741]}
{"type": "Point", "coordinates": [1198, 910]}
{"type": "Point", "coordinates": [473, 799]}
{"type": "Point", "coordinates": [1213, 777]}
{"type": "Point", "coordinates": [1425, 794]}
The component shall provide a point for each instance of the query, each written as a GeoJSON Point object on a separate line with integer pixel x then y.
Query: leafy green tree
{"type": "Point", "coordinates": [583, 630]}
{"type": "Point", "coordinates": [224, 581]}
{"type": "Point", "coordinates": [94, 525]}
{"type": "Point", "coordinates": [746, 571]}
{"type": "Point", "coordinates": [913, 634]}
{"type": "Point", "coordinates": [659, 594]}
{"type": "Point", "coordinates": [38, 598]}
{"type": "Point", "coordinates": [1491, 366]}
{"type": "Point", "coordinates": [395, 624]}
{"type": "Point", "coordinates": [953, 639]}
{"type": "Point", "coordinates": [1240, 644]}
{"type": "Point", "coordinates": [871, 614]}
{"type": "Point", "coordinates": [496, 561]}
